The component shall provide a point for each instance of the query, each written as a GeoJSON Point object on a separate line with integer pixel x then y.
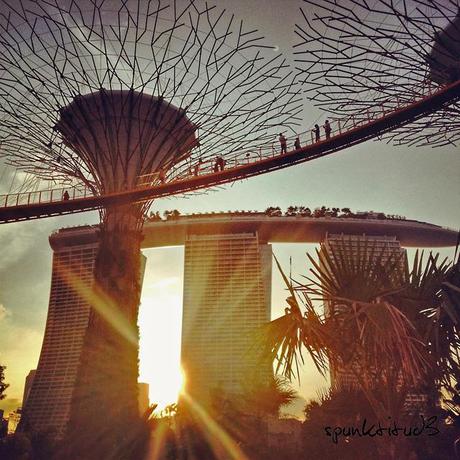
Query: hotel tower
{"type": "Point", "coordinates": [351, 247]}
{"type": "Point", "coordinates": [227, 296]}
{"type": "Point", "coordinates": [48, 403]}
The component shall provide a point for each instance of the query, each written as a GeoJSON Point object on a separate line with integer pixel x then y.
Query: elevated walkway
{"type": "Point", "coordinates": [345, 133]}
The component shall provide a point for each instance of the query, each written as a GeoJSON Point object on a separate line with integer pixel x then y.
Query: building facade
{"type": "Point", "coordinates": [28, 385]}
{"type": "Point", "coordinates": [13, 421]}
{"type": "Point", "coordinates": [227, 297]}
{"type": "Point", "coordinates": [383, 250]}
{"type": "Point", "coordinates": [50, 396]}
{"type": "Point", "coordinates": [143, 398]}
{"type": "Point", "coordinates": [352, 249]}
{"type": "Point", "coordinates": [227, 294]}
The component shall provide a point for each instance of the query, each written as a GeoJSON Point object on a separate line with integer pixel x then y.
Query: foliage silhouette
{"type": "Point", "coordinates": [3, 385]}
{"type": "Point", "coordinates": [395, 328]}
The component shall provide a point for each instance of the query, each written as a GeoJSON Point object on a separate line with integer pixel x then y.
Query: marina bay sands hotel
{"type": "Point", "coordinates": [227, 293]}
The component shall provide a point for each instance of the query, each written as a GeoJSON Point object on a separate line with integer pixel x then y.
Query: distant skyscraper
{"type": "Point", "coordinates": [50, 396]}
{"type": "Point", "coordinates": [143, 397]}
{"type": "Point", "coordinates": [227, 297]}
{"type": "Point", "coordinates": [28, 385]}
{"type": "Point", "coordinates": [381, 248]}
{"type": "Point", "coordinates": [13, 420]}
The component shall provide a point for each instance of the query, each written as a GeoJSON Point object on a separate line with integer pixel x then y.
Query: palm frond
{"type": "Point", "coordinates": [363, 271]}
{"type": "Point", "coordinates": [393, 325]}
{"type": "Point", "coordinates": [283, 338]}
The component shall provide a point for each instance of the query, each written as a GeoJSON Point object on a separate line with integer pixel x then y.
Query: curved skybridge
{"type": "Point", "coordinates": [188, 178]}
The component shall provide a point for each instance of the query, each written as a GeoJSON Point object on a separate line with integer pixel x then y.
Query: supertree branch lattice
{"type": "Point", "coordinates": [190, 56]}
{"type": "Point", "coordinates": [107, 93]}
{"type": "Point", "coordinates": [358, 55]}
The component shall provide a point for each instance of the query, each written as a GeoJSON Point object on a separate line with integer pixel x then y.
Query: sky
{"type": "Point", "coordinates": [419, 183]}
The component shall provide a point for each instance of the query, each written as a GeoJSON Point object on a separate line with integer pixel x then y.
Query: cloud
{"type": "Point", "coordinates": [20, 240]}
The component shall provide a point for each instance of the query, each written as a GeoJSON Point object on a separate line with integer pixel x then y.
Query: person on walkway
{"type": "Point", "coordinates": [297, 143]}
{"type": "Point", "coordinates": [197, 167]}
{"type": "Point", "coordinates": [219, 164]}
{"type": "Point", "coordinates": [316, 132]}
{"type": "Point", "coordinates": [283, 143]}
{"type": "Point", "coordinates": [327, 129]}
{"type": "Point", "coordinates": [66, 196]}
{"type": "Point", "coordinates": [162, 175]}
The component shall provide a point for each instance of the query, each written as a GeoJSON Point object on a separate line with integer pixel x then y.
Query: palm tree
{"type": "Point", "coordinates": [246, 417]}
{"type": "Point", "coordinates": [395, 327]}
{"type": "Point", "coordinates": [337, 407]}
{"type": "Point", "coordinates": [268, 398]}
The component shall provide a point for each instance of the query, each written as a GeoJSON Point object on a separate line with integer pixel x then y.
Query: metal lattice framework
{"type": "Point", "coordinates": [110, 95]}
{"type": "Point", "coordinates": [222, 77]}
{"type": "Point", "coordinates": [358, 54]}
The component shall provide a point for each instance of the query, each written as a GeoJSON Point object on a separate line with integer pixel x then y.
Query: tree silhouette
{"type": "Point", "coordinates": [3, 385]}
{"type": "Point", "coordinates": [365, 56]}
{"type": "Point", "coordinates": [395, 328]}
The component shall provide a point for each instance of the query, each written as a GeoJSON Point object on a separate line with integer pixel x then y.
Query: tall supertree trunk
{"type": "Point", "coordinates": [104, 421]}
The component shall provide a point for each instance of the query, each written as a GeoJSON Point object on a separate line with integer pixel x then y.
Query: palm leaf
{"type": "Point", "coordinates": [400, 323]}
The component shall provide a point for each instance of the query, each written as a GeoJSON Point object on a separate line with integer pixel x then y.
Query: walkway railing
{"type": "Point", "coordinates": [44, 196]}
{"type": "Point", "coordinates": [256, 160]}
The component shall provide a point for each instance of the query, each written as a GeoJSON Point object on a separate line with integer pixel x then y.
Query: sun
{"type": "Point", "coordinates": [160, 318]}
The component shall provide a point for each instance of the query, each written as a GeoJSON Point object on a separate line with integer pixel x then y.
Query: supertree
{"type": "Point", "coordinates": [105, 93]}
{"type": "Point", "coordinates": [358, 55]}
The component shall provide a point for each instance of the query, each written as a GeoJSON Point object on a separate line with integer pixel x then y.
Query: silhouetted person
{"type": "Point", "coordinates": [297, 143]}
{"type": "Point", "coordinates": [196, 169]}
{"type": "Point", "coordinates": [66, 196]}
{"type": "Point", "coordinates": [162, 176]}
{"type": "Point", "coordinates": [219, 165]}
{"type": "Point", "coordinates": [317, 134]}
{"type": "Point", "coordinates": [283, 143]}
{"type": "Point", "coordinates": [327, 129]}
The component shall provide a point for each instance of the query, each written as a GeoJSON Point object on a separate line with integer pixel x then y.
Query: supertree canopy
{"type": "Point", "coordinates": [362, 55]}
{"type": "Point", "coordinates": [187, 55]}
{"type": "Point", "coordinates": [123, 137]}
{"type": "Point", "coordinates": [102, 93]}
{"type": "Point", "coordinates": [122, 134]}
